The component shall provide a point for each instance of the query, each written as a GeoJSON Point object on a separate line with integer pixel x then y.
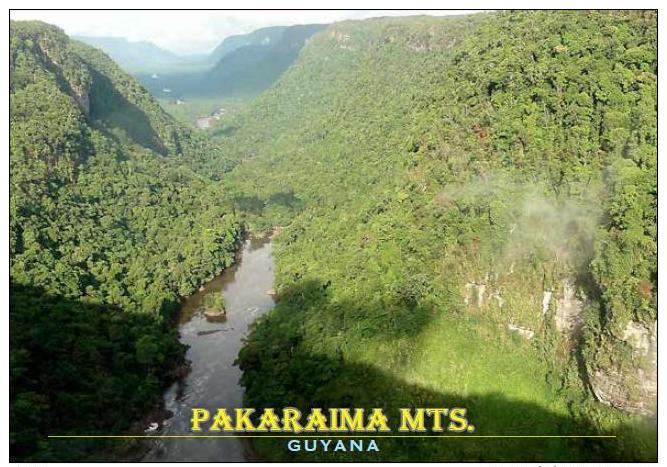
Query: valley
{"type": "Point", "coordinates": [468, 218]}
{"type": "Point", "coordinates": [212, 348]}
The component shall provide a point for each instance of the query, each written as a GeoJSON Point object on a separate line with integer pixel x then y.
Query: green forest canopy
{"type": "Point", "coordinates": [109, 227]}
{"type": "Point", "coordinates": [438, 179]}
{"type": "Point", "coordinates": [498, 159]}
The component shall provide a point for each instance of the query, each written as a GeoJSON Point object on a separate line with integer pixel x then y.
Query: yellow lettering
{"type": "Point", "coordinates": [269, 420]}
{"type": "Point", "coordinates": [377, 421]}
{"type": "Point", "coordinates": [316, 421]}
{"type": "Point", "coordinates": [199, 416]}
{"type": "Point", "coordinates": [243, 422]}
{"type": "Point", "coordinates": [291, 418]}
{"type": "Point", "coordinates": [333, 420]}
{"type": "Point", "coordinates": [349, 423]}
{"type": "Point", "coordinates": [458, 421]}
{"type": "Point", "coordinates": [222, 419]}
{"type": "Point", "coordinates": [410, 423]}
{"type": "Point", "coordinates": [437, 415]}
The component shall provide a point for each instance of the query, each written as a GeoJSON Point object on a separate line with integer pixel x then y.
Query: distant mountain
{"type": "Point", "coordinates": [264, 36]}
{"type": "Point", "coordinates": [256, 66]}
{"type": "Point", "coordinates": [141, 56]}
{"type": "Point", "coordinates": [243, 65]}
{"type": "Point", "coordinates": [144, 57]}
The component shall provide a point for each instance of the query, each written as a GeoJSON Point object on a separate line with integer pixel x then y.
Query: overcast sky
{"type": "Point", "coordinates": [189, 32]}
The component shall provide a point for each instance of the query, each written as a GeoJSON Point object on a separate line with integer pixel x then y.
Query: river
{"type": "Point", "coordinates": [213, 380]}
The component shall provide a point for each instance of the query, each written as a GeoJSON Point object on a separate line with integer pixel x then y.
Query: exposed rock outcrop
{"type": "Point", "coordinates": [521, 330]}
{"type": "Point", "coordinates": [569, 308]}
{"type": "Point", "coordinates": [498, 298]}
{"type": "Point", "coordinates": [474, 294]}
{"type": "Point", "coordinates": [83, 99]}
{"type": "Point", "coordinates": [635, 388]}
{"type": "Point", "coordinates": [546, 301]}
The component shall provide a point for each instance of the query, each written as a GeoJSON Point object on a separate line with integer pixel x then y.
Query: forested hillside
{"type": "Point", "coordinates": [242, 65]}
{"type": "Point", "coordinates": [108, 228]}
{"type": "Point", "coordinates": [469, 212]}
{"type": "Point", "coordinates": [469, 219]}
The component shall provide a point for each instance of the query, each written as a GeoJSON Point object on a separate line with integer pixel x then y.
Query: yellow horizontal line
{"type": "Point", "coordinates": [333, 435]}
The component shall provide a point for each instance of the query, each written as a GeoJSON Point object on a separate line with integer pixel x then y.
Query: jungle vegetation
{"type": "Point", "coordinates": [109, 227]}
{"type": "Point", "coordinates": [470, 215]}
{"type": "Point", "coordinates": [442, 184]}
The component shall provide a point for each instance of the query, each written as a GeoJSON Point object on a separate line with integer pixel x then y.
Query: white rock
{"type": "Point", "coordinates": [569, 309]}
{"type": "Point", "coordinates": [546, 300]}
{"type": "Point", "coordinates": [525, 332]}
{"type": "Point", "coordinates": [638, 337]}
{"type": "Point", "coordinates": [152, 428]}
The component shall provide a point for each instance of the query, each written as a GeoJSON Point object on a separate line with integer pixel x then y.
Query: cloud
{"type": "Point", "coordinates": [195, 31]}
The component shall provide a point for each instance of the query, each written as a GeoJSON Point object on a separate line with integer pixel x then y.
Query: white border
{"type": "Point", "coordinates": [290, 4]}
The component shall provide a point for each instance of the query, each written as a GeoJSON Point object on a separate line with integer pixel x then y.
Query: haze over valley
{"type": "Point", "coordinates": [416, 211]}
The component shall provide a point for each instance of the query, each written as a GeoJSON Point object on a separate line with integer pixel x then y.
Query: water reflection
{"type": "Point", "coordinates": [214, 380]}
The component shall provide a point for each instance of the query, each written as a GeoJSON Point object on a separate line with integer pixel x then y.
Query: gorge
{"type": "Point", "coordinates": [468, 218]}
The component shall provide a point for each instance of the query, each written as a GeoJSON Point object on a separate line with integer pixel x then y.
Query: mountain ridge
{"type": "Point", "coordinates": [468, 212]}
{"type": "Point", "coordinates": [445, 179]}
{"type": "Point", "coordinates": [103, 210]}
{"type": "Point", "coordinates": [246, 67]}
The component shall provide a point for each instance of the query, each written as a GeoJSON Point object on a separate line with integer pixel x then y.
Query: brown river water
{"type": "Point", "coordinates": [213, 380]}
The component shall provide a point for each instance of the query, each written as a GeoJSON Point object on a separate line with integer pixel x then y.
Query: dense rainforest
{"type": "Point", "coordinates": [108, 228]}
{"type": "Point", "coordinates": [469, 218]}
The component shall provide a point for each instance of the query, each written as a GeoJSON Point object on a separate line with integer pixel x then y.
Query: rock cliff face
{"type": "Point", "coordinates": [73, 76]}
{"type": "Point", "coordinates": [631, 387]}
{"type": "Point", "coordinates": [569, 309]}
{"type": "Point", "coordinates": [82, 97]}
{"type": "Point", "coordinates": [474, 294]}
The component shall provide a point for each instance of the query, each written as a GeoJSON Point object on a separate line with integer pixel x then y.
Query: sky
{"type": "Point", "coordinates": [193, 32]}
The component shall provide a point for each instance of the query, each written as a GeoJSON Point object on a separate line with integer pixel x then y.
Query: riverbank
{"type": "Point", "coordinates": [213, 379]}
